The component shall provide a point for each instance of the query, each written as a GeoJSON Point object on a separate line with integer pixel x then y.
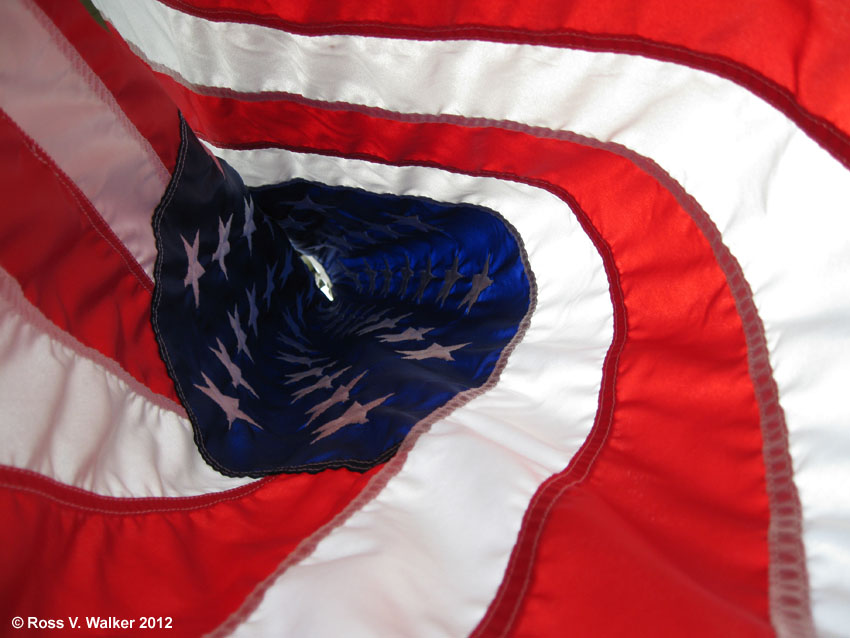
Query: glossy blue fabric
{"type": "Point", "coordinates": [277, 378]}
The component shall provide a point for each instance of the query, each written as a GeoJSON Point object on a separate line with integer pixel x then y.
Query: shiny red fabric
{"type": "Point", "coordinates": [71, 553]}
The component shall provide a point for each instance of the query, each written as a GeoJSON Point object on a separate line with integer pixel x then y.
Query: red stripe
{"type": "Point", "coordinates": [196, 559]}
{"type": "Point", "coordinates": [128, 79]}
{"type": "Point", "coordinates": [70, 264]}
{"type": "Point", "coordinates": [70, 552]}
{"type": "Point", "coordinates": [686, 496]}
{"type": "Point", "coordinates": [789, 56]}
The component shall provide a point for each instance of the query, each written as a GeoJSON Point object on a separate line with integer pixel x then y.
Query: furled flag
{"type": "Point", "coordinates": [476, 318]}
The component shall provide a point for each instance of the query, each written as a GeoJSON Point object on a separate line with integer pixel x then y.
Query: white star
{"type": "Point", "coordinates": [425, 278]}
{"type": "Point", "coordinates": [252, 309]}
{"type": "Point", "coordinates": [386, 323]}
{"type": "Point", "coordinates": [411, 334]}
{"type": "Point", "coordinates": [414, 222]}
{"type": "Point", "coordinates": [406, 274]}
{"type": "Point", "coordinates": [479, 283]}
{"type": "Point", "coordinates": [296, 329]}
{"type": "Point", "coordinates": [375, 316]}
{"type": "Point", "coordinates": [240, 334]}
{"type": "Point", "coordinates": [305, 203]}
{"type": "Point", "coordinates": [450, 277]}
{"type": "Point", "coordinates": [371, 274]}
{"type": "Point", "coordinates": [249, 227]}
{"type": "Point", "coordinates": [300, 347]}
{"type": "Point", "coordinates": [338, 242]}
{"type": "Point", "coordinates": [340, 394]}
{"type": "Point", "coordinates": [232, 368]}
{"type": "Point", "coordinates": [356, 413]}
{"type": "Point", "coordinates": [195, 270]}
{"type": "Point", "coordinates": [294, 359]}
{"type": "Point", "coordinates": [387, 272]}
{"type": "Point", "coordinates": [322, 383]}
{"type": "Point", "coordinates": [312, 372]}
{"type": "Point", "coordinates": [223, 243]}
{"type": "Point", "coordinates": [287, 267]}
{"type": "Point", "coordinates": [434, 351]}
{"type": "Point", "coordinates": [230, 405]}
{"type": "Point", "coordinates": [267, 220]}
{"type": "Point", "coordinates": [267, 296]}
{"type": "Point", "coordinates": [353, 276]}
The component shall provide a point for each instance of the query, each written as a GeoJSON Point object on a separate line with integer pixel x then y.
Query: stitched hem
{"type": "Point", "coordinates": [824, 132]}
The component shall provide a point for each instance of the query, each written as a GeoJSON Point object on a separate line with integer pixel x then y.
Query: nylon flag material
{"type": "Point", "coordinates": [583, 366]}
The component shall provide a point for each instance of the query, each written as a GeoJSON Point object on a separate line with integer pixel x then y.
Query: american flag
{"type": "Point", "coordinates": [583, 366]}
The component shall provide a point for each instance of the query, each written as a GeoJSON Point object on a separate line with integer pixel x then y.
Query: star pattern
{"type": "Point", "coordinates": [335, 364]}
{"type": "Point", "coordinates": [425, 278]}
{"type": "Point", "coordinates": [294, 327]}
{"type": "Point", "coordinates": [249, 228]}
{"type": "Point", "coordinates": [406, 274]}
{"type": "Point", "coordinates": [413, 221]}
{"type": "Point", "coordinates": [241, 337]}
{"type": "Point", "coordinates": [434, 351]}
{"type": "Point", "coordinates": [268, 223]}
{"type": "Point", "coordinates": [387, 272]}
{"type": "Point", "coordinates": [253, 313]}
{"type": "Point", "coordinates": [356, 413]}
{"type": "Point", "coordinates": [480, 282]}
{"type": "Point", "coordinates": [371, 274]}
{"type": "Point", "coordinates": [338, 242]}
{"type": "Point", "coordinates": [352, 276]}
{"type": "Point", "coordinates": [297, 346]}
{"type": "Point", "coordinates": [384, 229]}
{"type": "Point", "coordinates": [323, 383]}
{"type": "Point", "coordinates": [223, 248]}
{"type": "Point", "coordinates": [267, 296]}
{"type": "Point", "coordinates": [340, 394]}
{"type": "Point", "coordinates": [300, 376]}
{"type": "Point", "coordinates": [307, 203]}
{"type": "Point", "coordinates": [194, 269]}
{"type": "Point", "coordinates": [451, 276]}
{"type": "Point", "coordinates": [228, 404]}
{"type": "Point", "coordinates": [411, 334]}
{"type": "Point", "coordinates": [298, 360]}
{"type": "Point", "coordinates": [287, 268]}
{"type": "Point", "coordinates": [386, 323]}
{"type": "Point", "coordinates": [233, 369]}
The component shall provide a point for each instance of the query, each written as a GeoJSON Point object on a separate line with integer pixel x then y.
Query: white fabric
{"type": "Point", "coordinates": [429, 552]}
{"type": "Point", "coordinates": [80, 126]}
{"type": "Point", "coordinates": [76, 417]}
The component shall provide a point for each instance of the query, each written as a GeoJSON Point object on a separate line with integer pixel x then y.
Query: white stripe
{"type": "Point", "coordinates": [76, 417]}
{"type": "Point", "coordinates": [58, 101]}
{"type": "Point", "coordinates": [778, 199]}
{"type": "Point", "coordinates": [433, 546]}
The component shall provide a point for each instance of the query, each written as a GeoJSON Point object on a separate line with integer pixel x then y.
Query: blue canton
{"type": "Point", "coordinates": [276, 377]}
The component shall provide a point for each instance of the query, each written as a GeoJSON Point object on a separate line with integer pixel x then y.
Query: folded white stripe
{"type": "Point", "coordinates": [59, 102]}
{"type": "Point", "coordinates": [75, 416]}
{"type": "Point", "coordinates": [428, 553]}
{"type": "Point", "coordinates": [778, 199]}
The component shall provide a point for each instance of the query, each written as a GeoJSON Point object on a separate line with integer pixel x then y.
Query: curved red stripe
{"type": "Point", "coordinates": [76, 554]}
{"type": "Point", "coordinates": [790, 55]}
{"type": "Point", "coordinates": [680, 474]}
{"type": "Point", "coordinates": [129, 80]}
{"type": "Point", "coordinates": [71, 266]}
